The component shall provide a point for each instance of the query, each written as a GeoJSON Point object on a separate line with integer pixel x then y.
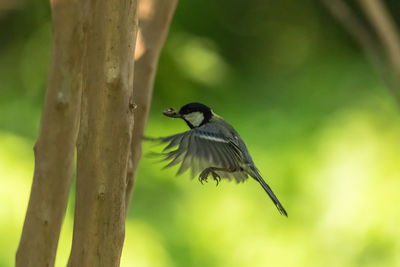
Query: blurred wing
{"type": "Point", "coordinates": [201, 148]}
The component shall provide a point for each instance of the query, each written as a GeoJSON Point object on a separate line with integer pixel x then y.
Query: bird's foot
{"type": "Point", "coordinates": [204, 175]}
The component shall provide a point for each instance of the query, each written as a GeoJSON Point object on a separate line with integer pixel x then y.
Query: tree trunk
{"type": "Point", "coordinates": [154, 20]}
{"type": "Point", "coordinates": [54, 149]}
{"type": "Point", "coordinates": [105, 132]}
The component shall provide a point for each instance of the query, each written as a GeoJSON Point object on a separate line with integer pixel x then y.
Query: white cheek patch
{"type": "Point", "coordinates": [195, 118]}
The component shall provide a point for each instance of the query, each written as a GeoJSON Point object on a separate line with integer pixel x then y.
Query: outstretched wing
{"type": "Point", "coordinates": [201, 148]}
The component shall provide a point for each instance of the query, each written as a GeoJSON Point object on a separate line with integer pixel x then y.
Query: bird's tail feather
{"type": "Point", "coordinates": [268, 189]}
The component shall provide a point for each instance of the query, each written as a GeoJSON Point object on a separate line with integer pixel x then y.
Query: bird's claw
{"type": "Point", "coordinates": [216, 177]}
{"type": "Point", "coordinates": [203, 177]}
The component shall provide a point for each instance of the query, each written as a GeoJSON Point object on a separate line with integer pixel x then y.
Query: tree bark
{"type": "Point", "coordinates": [105, 132]}
{"type": "Point", "coordinates": [55, 146]}
{"type": "Point", "coordinates": [154, 20]}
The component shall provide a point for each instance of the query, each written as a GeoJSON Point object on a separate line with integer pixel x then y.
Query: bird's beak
{"type": "Point", "coordinates": [171, 112]}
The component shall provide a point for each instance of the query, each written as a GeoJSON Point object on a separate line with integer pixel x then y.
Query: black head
{"type": "Point", "coordinates": [194, 107]}
{"type": "Point", "coordinates": [194, 114]}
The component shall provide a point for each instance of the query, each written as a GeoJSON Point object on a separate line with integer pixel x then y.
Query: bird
{"type": "Point", "coordinates": [211, 147]}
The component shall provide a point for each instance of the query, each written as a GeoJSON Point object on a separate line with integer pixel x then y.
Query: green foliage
{"type": "Point", "coordinates": [318, 121]}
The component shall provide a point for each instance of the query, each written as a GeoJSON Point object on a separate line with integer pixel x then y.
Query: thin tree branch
{"type": "Point", "coordinates": [105, 132]}
{"type": "Point", "coordinates": [365, 38]}
{"type": "Point", "coordinates": [55, 146]}
{"type": "Point", "coordinates": [357, 29]}
{"type": "Point", "coordinates": [154, 20]}
{"type": "Point", "coordinates": [385, 27]}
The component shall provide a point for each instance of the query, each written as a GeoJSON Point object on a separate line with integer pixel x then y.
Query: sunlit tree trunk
{"type": "Point", "coordinates": [105, 132]}
{"type": "Point", "coordinates": [94, 40]}
{"type": "Point", "coordinates": [55, 146]}
{"type": "Point", "coordinates": [154, 20]}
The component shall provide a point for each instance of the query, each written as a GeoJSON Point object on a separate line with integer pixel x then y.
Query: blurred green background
{"type": "Point", "coordinates": [320, 125]}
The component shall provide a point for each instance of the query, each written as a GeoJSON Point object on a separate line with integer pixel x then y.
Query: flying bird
{"type": "Point", "coordinates": [211, 147]}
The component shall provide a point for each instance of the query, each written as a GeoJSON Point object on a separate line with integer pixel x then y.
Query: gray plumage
{"type": "Point", "coordinates": [213, 146]}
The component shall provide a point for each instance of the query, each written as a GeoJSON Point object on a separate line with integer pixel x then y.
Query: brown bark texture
{"type": "Point", "coordinates": [105, 132]}
{"type": "Point", "coordinates": [55, 146]}
{"type": "Point", "coordinates": [154, 20]}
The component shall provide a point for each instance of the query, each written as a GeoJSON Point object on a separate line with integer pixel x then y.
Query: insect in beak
{"type": "Point", "coordinates": [171, 112]}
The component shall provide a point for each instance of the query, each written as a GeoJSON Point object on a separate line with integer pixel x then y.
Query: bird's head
{"type": "Point", "coordinates": [194, 114]}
